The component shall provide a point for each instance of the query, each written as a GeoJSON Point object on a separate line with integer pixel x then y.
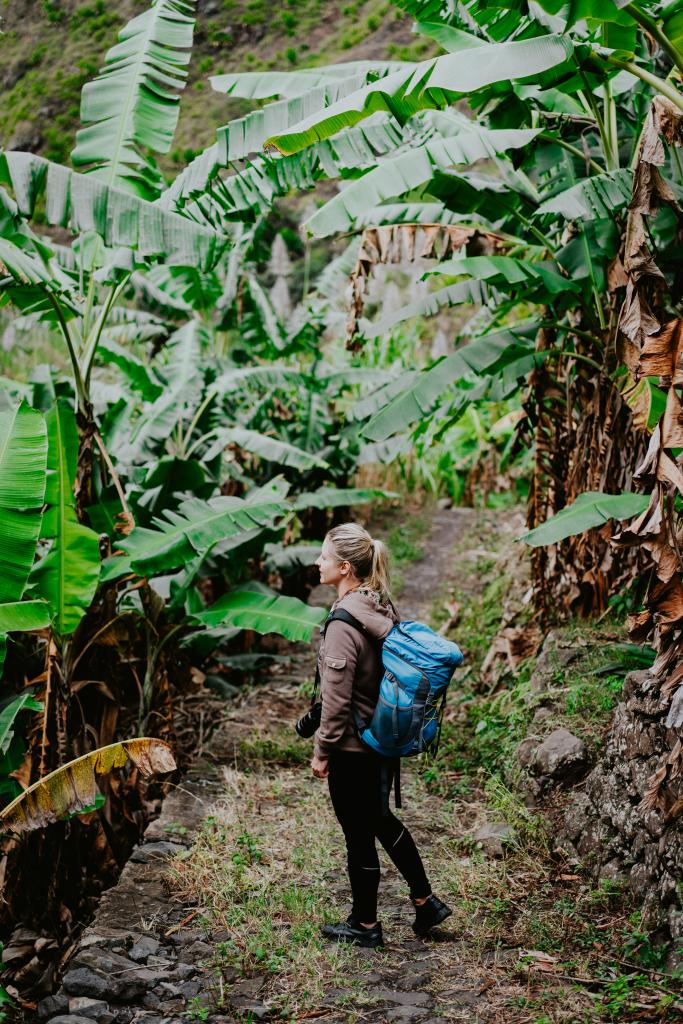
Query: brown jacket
{"type": "Point", "coordinates": [350, 670]}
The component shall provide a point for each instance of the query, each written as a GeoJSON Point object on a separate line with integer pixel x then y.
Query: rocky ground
{"type": "Point", "coordinates": [216, 915]}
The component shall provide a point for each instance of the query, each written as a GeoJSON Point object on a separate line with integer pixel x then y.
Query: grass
{"type": "Point", "coordinates": [267, 868]}
{"type": "Point", "coordinates": [261, 869]}
{"type": "Point", "coordinates": [489, 717]}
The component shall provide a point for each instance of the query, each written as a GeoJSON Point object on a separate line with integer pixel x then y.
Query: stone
{"type": "Point", "coordinates": [561, 755]}
{"type": "Point", "coordinates": [412, 980]}
{"type": "Point", "coordinates": [551, 660]}
{"type": "Point", "coordinates": [181, 972]}
{"type": "Point", "coordinates": [492, 836]}
{"type": "Point", "coordinates": [124, 1016]}
{"type": "Point", "coordinates": [149, 852]}
{"type": "Point", "coordinates": [85, 981]}
{"type": "Point", "coordinates": [404, 998]}
{"type": "Point", "coordinates": [526, 750]}
{"type": "Point", "coordinates": [71, 1018]}
{"type": "Point", "coordinates": [95, 1009]}
{"type": "Point", "coordinates": [144, 947]}
{"type": "Point", "coordinates": [395, 1014]}
{"type": "Point", "coordinates": [82, 981]}
{"type": "Point", "coordinates": [198, 952]}
{"type": "Point", "coordinates": [190, 989]}
{"type": "Point", "coordinates": [257, 1009]}
{"type": "Point", "coordinates": [52, 1004]}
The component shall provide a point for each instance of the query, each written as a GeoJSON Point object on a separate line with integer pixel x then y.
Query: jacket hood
{"type": "Point", "coordinates": [367, 607]}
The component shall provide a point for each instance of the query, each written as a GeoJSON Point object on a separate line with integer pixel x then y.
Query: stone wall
{"type": "Point", "coordinates": [605, 830]}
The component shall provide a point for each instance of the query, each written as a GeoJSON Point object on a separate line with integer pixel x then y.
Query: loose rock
{"type": "Point", "coordinates": [562, 755]}
{"type": "Point", "coordinates": [492, 836]}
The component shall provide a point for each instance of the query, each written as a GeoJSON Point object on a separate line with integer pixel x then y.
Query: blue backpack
{"type": "Point", "coordinates": [418, 666]}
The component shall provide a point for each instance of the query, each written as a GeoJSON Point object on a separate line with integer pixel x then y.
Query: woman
{"type": "Point", "coordinates": [350, 664]}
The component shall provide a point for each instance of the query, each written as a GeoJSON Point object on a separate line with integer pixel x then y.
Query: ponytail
{"type": "Point", "coordinates": [379, 573]}
{"type": "Point", "coordinates": [368, 558]}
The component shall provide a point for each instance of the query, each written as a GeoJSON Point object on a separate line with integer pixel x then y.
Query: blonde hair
{"type": "Point", "coordinates": [368, 558]}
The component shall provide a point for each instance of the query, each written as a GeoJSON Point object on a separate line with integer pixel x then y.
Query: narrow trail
{"type": "Point", "coordinates": [216, 916]}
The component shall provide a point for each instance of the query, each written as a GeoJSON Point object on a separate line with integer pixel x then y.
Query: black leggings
{"type": "Point", "coordinates": [355, 789]}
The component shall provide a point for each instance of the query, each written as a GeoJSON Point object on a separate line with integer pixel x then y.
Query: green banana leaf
{"type": "Point", "coordinates": [504, 270]}
{"type": "Point", "coordinates": [272, 449]}
{"type": "Point", "coordinates": [139, 376]}
{"type": "Point", "coordinates": [253, 189]}
{"type": "Point", "coordinates": [588, 511]}
{"type": "Point", "coordinates": [431, 84]}
{"type": "Point", "coordinates": [596, 198]}
{"type": "Point", "coordinates": [264, 613]}
{"type": "Point", "coordinates": [332, 497]}
{"type": "Point", "coordinates": [68, 575]}
{"type": "Point", "coordinates": [133, 102]}
{"type": "Point", "coordinates": [396, 176]}
{"type": "Point", "coordinates": [246, 135]}
{"type": "Point", "coordinates": [450, 39]}
{"type": "Point", "coordinates": [191, 530]}
{"type": "Point", "coordinates": [21, 617]}
{"type": "Point", "coordinates": [269, 376]}
{"type": "Point", "coordinates": [23, 463]}
{"type": "Point", "coordinates": [261, 85]}
{"type": "Point", "coordinates": [121, 219]}
{"type": "Point", "coordinates": [481, 354]}
{"type": "Point", "coordinates": [443, 298]}
{"type": "Point", "coordinates": [8, 716]}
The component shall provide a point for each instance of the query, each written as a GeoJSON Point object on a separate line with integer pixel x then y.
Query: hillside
{"type": "Point", "coordinates": [50, 48]}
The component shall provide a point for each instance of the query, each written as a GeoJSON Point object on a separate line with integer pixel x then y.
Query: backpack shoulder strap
{"type": "Point", "coordinates": [341, 615]}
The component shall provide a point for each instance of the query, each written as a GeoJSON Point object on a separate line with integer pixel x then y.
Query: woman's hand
{"type": "Point", "coordinates": [319, 767]}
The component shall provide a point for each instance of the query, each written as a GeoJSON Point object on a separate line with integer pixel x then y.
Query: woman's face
{"type": "Point", "coordinates": [329, 565]}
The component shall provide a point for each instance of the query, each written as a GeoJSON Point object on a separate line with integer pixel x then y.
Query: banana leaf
{"type": "Point", "coordinates": [73, 787]}
{"type": "Point", "coordinates": [67, 576]}
{"type": "Point", "coordinates": [271, 448]}
{"type": "Point", "coordinates": [442, 298]}
{"type": "Point", "coordinates": [588, 511]}
{"type": "Point", "coordinates": [9, 714]}
{"type": "Point", "coordinates": [332, 497]}
{"type": "Point", "coordinates": [261, 85]}
{"type": "Point", "coordinates": [133, 103]}
{"type": "Point", "coordinates": [595, 198]}
{"type": "Point", "coordinates": [504, 270]}
{"type": "Point", "coordinates": [396, 176]}
{"type": "Point", "coordinates": [264, 613]}
{"type": "Point", "coordinates": [191, 530]}
{"type": "Point", "coordinates": [431, 84]}
{"type": "Point", "coordinates": [246, 135]}
{"type": "Point", "coordinates": [83, 203]}
{"type": "Point", "coordinates": [23, 464]}
{"type": "Point", "coordinates": [482, 354]}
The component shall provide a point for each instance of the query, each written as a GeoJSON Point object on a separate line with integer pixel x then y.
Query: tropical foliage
{"type": "Point", "coordinates": [204, 428]}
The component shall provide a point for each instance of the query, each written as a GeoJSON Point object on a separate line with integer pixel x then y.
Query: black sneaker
{"type": "Point", "coordinates": [430, 913]}
{"type": "Point", "coordinates": [352, 931]}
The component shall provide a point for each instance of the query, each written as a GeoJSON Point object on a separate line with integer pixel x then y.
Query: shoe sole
{"type": "Point", "coordinates": [441, 916]}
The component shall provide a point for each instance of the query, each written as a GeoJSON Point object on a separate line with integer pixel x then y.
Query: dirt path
{"type": "Point", "coordinates": [227, 929]}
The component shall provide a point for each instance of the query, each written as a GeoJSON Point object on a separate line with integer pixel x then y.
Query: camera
{"type": "Point", "coordinates": [309, 722]}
